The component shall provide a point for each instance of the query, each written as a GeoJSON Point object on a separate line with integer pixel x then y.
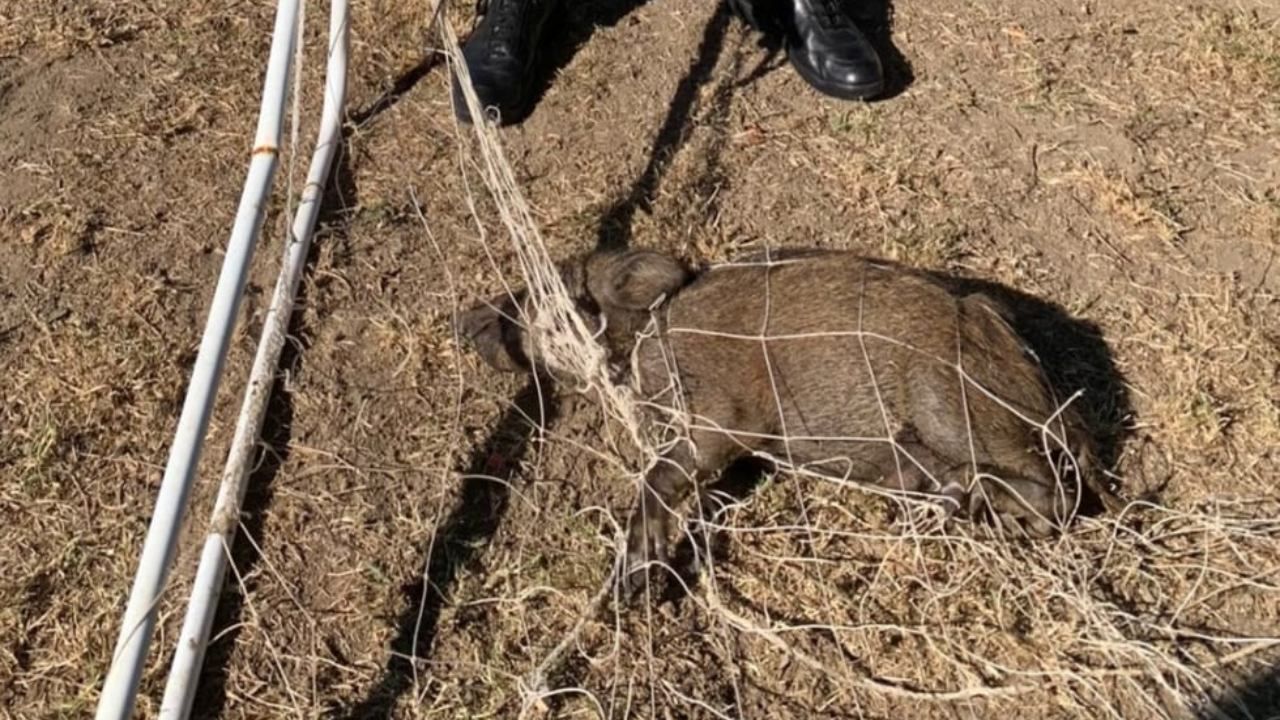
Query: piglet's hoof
{"type": "Point", "coordinates": [646, 548]}
{"type": "Point", "coordinates": [632, 578]}
{"type": "Point", "coordinates": [921, 519]}
{"type": "Point", "coordinates": [1012, 511]}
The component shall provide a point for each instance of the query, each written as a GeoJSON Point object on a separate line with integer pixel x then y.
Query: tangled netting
{"type": "Point", "coordinates": [1137, 614]}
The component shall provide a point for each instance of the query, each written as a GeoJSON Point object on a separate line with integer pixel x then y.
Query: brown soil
{"type": "Point", "coordinates": [1119, 161]}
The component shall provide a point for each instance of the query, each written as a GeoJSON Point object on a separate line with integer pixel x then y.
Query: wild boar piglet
{"type": "Point", "coordinates": [862, 369]}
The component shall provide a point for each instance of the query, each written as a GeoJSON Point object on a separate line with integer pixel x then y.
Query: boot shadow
{"type": "Point", "coordinates": [454, 548]}
{"type": "Point", "coordinates": [875, 19]}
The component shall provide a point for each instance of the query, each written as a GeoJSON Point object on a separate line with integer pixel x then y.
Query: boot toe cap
{"type": "Point", "coordinates": [495, 91]}
{"type": "Point", "coordinates": [857, 78]}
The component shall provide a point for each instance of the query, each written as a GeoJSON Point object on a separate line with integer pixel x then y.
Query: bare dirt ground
{"type": "Point", "coordinates": [1118, 160]}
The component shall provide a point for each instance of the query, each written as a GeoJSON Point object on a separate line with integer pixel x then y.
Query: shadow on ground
{"type": "Point", "coordinates": [211, 693]}
{"type": "Point", "coordinates": [1259, 699]}
{"type": "Point", "coordinates": [875, 17]}
{"type": "Point", "coordinates": [615, 225]}
{"type": "Point", "coordinates": [482, 503]}
{"type": "Point", "coordinates": [399, 88]}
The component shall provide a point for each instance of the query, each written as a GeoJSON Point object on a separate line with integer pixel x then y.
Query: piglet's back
{"type": "Point", "coordinates": [856, 349]}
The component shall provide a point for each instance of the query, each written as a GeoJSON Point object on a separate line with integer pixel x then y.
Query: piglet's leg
{"type": "Point", "coordinates": [1041, 508]}
{"type": "Point", "coordinates": [919, 470]}
{"type": "Point", "coordinates": [736, 483]}
{"type": "Point", "coordinates": [665, 486]}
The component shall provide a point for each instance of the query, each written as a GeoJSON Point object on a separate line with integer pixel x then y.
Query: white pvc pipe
{"type": "Point", "coordinates": [189, 655]}
{"type": "Point", "coordinates": [121, 685]}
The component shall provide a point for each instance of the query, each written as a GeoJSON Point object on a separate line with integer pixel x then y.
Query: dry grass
{"type": "Point", "coordinates": [1121, 163]}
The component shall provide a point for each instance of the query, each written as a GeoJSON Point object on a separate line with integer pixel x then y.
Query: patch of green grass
{"type": "Point", "coordinates": [858, 122]}
{"type": "Point", "coordinates": [1249, 44]}
{"type": "Point", "coordinates": [36, 453]}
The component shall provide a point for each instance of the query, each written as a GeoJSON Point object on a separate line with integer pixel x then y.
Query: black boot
{"type": "Point", "coordinates": [500, 56]}
{"type": "Point", "coordinates": [823, 44]}
{"type": "Point", "coordinates": [830, 52]}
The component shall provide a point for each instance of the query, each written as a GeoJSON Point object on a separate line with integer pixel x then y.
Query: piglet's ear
{"type": "Point", "coordinates": [483, 327]}
{"type": "Point", "coordinates": [634, 279]}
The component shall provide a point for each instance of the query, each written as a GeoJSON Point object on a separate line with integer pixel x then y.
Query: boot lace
{"type": "Point", "coordinates": [506, 17]}
{"type": "Point", "coordinates": [831, 15]}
